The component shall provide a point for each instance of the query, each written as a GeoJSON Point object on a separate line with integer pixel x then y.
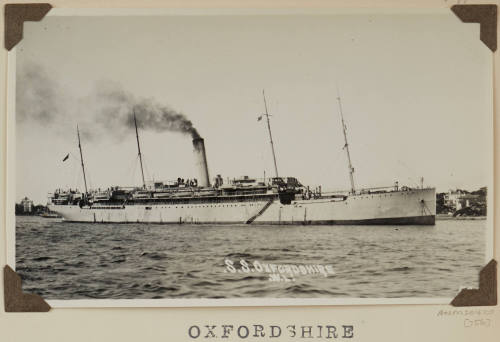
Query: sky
{"type": "Point", "coordinates": [416, 92]}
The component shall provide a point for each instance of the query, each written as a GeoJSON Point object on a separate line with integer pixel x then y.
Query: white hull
{"type": "Point", "coordinates": [400, 207]}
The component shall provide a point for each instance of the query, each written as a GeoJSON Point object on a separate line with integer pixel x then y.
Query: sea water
{"type": "Point", "coordinates": [61, 260]}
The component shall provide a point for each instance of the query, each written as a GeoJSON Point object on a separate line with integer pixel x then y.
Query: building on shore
{"type": "Point", "coordinates": [27, 205]}
{"type": "Point", "coordinates": [459, 199]}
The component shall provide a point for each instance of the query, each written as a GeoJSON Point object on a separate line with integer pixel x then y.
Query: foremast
{"type": "Point", "coordinates": [81, 159]}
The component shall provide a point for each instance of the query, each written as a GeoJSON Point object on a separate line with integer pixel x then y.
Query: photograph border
{"type": "Point", "coordinates": [11, 165]}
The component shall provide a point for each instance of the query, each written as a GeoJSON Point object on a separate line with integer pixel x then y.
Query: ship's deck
{"type": "Point", "coordinates": [191, 200]}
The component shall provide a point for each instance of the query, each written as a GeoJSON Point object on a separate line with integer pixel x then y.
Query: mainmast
{"type": "Point", "coordinates": [81, 158]}
{"type": "Point", "coordinates": [270, 135]}
{"type": "Point", "coordinates": [346, 146]}
{"type": "Point", "coordinates": [139, 149]}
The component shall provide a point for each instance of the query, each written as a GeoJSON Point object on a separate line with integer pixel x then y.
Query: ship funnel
{"type": "Point", "coordinates": [201, 162]}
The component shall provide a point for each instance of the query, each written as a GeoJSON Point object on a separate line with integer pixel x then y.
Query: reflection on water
{"type": "Point", "coordinates": [76, 260]}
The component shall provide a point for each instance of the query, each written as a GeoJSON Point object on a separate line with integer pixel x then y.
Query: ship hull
{"type": "Point", "coordinates": [414, 207]}
{"type": "Point", "coordinates": [399, 207]}
{"type": "Point", "coordinates": [427, 220]}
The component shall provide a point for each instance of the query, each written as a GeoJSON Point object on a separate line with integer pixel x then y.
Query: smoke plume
{"type": "Point", "coordinates": [116, 107]}
{"type": "Point", "coordinates": [107, 112]}
{"type": "Point", "coordinates": [36, 96]}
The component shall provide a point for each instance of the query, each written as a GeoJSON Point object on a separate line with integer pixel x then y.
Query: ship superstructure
{"type": "Point", "coordinates": [244, 200]}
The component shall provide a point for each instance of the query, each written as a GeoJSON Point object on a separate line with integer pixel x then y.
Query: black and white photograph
{"type": "Point", "coordinates": [256, 157]}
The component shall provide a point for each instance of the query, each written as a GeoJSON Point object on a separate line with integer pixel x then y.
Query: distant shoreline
{"type": "Point", "coordinates": [449, 217]}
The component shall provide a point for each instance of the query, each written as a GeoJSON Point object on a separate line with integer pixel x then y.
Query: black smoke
{"type": "Point", "coordinates": [116, 107]}
{"type": "Point", "coordinates": [108, 111]}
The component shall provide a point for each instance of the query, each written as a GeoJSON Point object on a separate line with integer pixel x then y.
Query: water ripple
{"type": "Point", "coordinates": [75, 260]}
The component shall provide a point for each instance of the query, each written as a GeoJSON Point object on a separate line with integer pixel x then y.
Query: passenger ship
{"type": "Point", "coordinates": [274, 201]}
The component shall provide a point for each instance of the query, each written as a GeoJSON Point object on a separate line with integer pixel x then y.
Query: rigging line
{"type": "Point", "coordinates": [337, 157]}
{"type": "Point", "coordinates": [132, 162]}
{"type": "Point", "coordinates": [415, 176]}
{"type": "Point", "coordinates": [413, 183]}
{"type": "Point", "coordinates": [270, 134]}
{"type": "Point", "coordinates": [346, 145]}
{"type": "Point", "coordinates": [426, 207]}
{"type": "Point", "coordinates": [76, 177]}
{"type": "Point", "coordinates": [413, 180]}
{"type": "Point", "coordinates": [132, 170]}
{"type": "Point", "coordinates": [139, 151]}
{"type": "Point", "coordinates": [146, 169]}
{"type": "Point", "coordinates": [89, 176]}
{"type": "Point", "coordinates": [336, 163]}
{"type": "Point", "coordinates": [73, 174]}
{"type": "Point", "coordinates": [81, 158]}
